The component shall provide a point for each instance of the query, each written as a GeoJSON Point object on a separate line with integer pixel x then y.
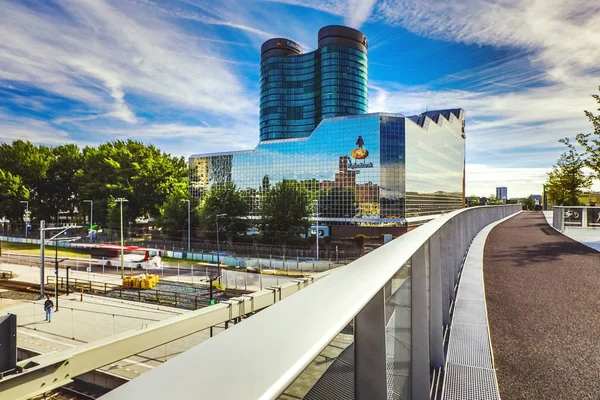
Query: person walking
{"type": "Point", "coordinates": [48, 304]}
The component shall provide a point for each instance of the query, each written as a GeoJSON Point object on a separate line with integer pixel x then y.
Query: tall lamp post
{"type": "Point", "coordinates": [121, 200]}
{"type": "Point", "coordinates": [317, 223]}
{"type": "Point", "coordinates": [91, 215]}
{"type": "Point", "coordinates": [26, 219]}
{"type": "Point", "coordinates": [218, 252]}
{"type": "Point", "coordinates": [189, 224]}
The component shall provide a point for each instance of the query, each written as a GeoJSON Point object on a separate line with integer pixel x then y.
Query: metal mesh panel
{"type": "Point", "coordinates": [398, 336]}
{"type": "Point", "coordinates": [472, 346]}
{"type": "Point", "coordinates": [337, 383]}
{"type": "Point", "coordinates": [469, 368]}
{"type": "Point", "coordinates": [469, 311]}
{"type": "Point", "coordinates": [469, 383]}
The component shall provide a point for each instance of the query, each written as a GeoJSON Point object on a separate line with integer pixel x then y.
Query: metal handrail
{"type": "Point", "coordinates": [267, 352]}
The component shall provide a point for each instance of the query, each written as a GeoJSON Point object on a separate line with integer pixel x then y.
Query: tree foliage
{"type": "Point", "coordinates": [173, 219]}
{"type": "Point", "coordinates": [224, 199]}
{"type": "Point", "coordinates": [566, 180]}
{"type": "Point", "coordinates": [11, 192]}
{"type": "Point", "coordinates": [285, 212]}
{"type": "Point", "coordinates": [60, 178]}
{"type": "Point", "coordinates": [528, 203]}
{"type": "Point", "coordinates": [591, 141]}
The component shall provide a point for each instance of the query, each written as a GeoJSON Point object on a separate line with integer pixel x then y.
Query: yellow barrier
{"type": "Point", "coordinates": [145, 281]}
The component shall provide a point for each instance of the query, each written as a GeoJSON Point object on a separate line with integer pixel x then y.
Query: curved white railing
{"type": "Point", "coordinates": [262, 356]}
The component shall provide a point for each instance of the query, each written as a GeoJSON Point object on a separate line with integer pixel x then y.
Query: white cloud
{"type": "Point", "coordinates": [564, 34]}
{"type": "Point", "coordinates": [97, 54]}
{"type": "Point", "coordinates": [482, 180]}
{"type": "Point", "coordinates": [39, 132]}
{"type": "Point", "coordinates": [500, 124]}
{"type": "Point", "coordinates": [354, 12]}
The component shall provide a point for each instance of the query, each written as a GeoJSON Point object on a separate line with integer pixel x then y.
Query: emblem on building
{"type": "Point", "coordinates": [360, 153]}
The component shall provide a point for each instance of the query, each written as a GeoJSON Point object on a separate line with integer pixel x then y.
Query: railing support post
{"type": "Point", "coordinates": [369, 351]}
{"type": "Point", "coordinates": [420, 371]}
{"type": "Point", "coordinates": [436, 322]}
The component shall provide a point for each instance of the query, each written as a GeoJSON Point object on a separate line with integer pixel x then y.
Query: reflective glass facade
{"type": "Point", "coordinates": [298, 91]}
{"type": "Point", "coordinates": [372, 169]}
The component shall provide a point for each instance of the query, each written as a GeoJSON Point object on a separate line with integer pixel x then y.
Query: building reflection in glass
{"type": "Point", "coordinates": [372, 169]}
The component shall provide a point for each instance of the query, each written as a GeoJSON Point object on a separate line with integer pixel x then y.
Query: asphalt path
{"type": "Point", "coordinates": [542, 292]}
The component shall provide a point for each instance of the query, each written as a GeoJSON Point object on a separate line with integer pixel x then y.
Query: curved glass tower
{"type": "Point", "coordinates": [298, 90]}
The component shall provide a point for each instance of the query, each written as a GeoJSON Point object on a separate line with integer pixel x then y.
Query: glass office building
{"type": "Point", "coordinates": [370, 170]}
{"type": "Point", "coordinates": [298, 91]}
{"type": "Point", "coordinates": [377, 170]}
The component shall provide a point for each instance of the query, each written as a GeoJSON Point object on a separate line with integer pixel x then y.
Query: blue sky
{"type": "Point", "coordinates": [183, 74]}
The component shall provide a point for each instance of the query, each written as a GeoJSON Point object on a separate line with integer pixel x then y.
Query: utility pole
{"type": "Point", "coordinates": [91, 215]}
{"type": "Point", "coordinates": [121, 200]}
{"type": "Point", "coordinates": [189, 225]}
{"type": "Point", "coordinates": [218, 252]}
{"type": "Point", "coordinates": [26, 219]}
{"type": "Point", "coordinates": [42, 246]}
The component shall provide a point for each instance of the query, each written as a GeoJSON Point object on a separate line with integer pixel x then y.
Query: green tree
{"type": "Point", "coordinates": [473, 201]}
{"type": "Point", "coordinates": [138, 172]}
{"type": "Point", "coordinates": [566, 180]}
{"type": "Point", "coordinates": [224, 198]}
{"type": "Point", "coordinates": [338, 202]}
{"type": "Point", "coordinates": [30, 163]}
{"type": "Point", "coordinates": [591, 141]}
{"type": "Point", "coordinates": [528, 203]}
{"type": "Point", "coordinates": [173, 219]}
{"type": "Point", "coordinates": [285, 212]}
{"type": "Point", "coordinates": [61, 189]}
{"type": "Point", "coordinates": [493, 200]}
{"type": "Point", "coordinates": [11, 192]}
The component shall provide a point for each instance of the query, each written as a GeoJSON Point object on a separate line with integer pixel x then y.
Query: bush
{"type": "Point", "coordinates": [359, 241]}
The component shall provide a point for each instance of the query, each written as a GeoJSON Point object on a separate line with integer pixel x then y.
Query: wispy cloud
{"type": "Point", "coordinates": [564, 38]}
{"type": "Point", "coordinates": [354, 12]}
{"type": "Point", "coordinates": [40, 132]}
{"type": "Point", "coordinates": [176, 12]}
{"type": "Point", "coordinates": [95, 53]}
{"type": "Point", "coordinates": [529, 119]}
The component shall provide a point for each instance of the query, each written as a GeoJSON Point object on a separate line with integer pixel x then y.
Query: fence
{"type": "Point", "coordinates": [290, 261]}
{"type": "Point", "coordinates": [398, 298]}
{"type": "Point", "coordinates": [575, 217]}
{"type": "Point", "coordinates": [155, 296]}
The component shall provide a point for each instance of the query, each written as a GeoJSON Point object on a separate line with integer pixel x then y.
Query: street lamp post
{"type": "Point", "coordinates": [43, 241]}
{"type": "Point", "coordinates": [121, 200]}
{"type": "Point", "coordinates": [91, 215]}
{"type": "Point", "coordinates": [26, 219]}
{"type": "Point", "coordinates": [189, 225]}
{"type": "Point", "coordinates": [218, 252]}
{"type": "Point", "coordinates": [317, 223]}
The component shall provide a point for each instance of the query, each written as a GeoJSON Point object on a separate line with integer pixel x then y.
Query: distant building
{"type": "Point", "coordinates": [502, 194]}
{"type": "Point", "coordinates": [537, 199]}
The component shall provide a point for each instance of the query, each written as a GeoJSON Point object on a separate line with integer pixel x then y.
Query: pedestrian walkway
{"type": "Point", "coordinates": [542, 300]}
